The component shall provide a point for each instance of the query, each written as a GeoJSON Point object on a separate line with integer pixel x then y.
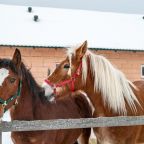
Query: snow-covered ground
{"type": "Point", "coordinates": [6, 138]}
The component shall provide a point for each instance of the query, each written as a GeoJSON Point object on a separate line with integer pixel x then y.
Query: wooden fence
{"type": "Point", "coordinates": [69, 123]}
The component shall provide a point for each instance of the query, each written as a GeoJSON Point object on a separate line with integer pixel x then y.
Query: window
{"type": "Point", "coordinates": [142, 71]}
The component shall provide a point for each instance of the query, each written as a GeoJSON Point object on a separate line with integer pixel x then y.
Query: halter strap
{"type": "Point", "coordinates": [70, 82]}
{"type": "Point", "coordinates": [6, 102]}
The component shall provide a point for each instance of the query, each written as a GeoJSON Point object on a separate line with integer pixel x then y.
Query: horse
{"type": "Point", "coordinates": [21, 94]}
{"type": "Point", "coordinates": [110, 92]}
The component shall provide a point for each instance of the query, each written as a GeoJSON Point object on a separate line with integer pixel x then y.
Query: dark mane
{"type": "Point", "coordinates": [36, 90]}
{"type": "Point", "coordinates": [7, 63]}
{"type": "Point", "coordinates": [25, 74]}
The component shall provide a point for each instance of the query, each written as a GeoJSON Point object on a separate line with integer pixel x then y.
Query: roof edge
{"type": "Point", "coordinates": [93, 48]}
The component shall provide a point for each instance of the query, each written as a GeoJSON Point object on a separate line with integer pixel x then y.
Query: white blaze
{"type": "Point", "coordinates": [3, 74]}
{"type": "Point", "coordinates": [70, 62]}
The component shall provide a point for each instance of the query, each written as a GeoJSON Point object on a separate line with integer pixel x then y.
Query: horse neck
{"type": "Point", "coordinates": [95, 97]}
{"type": "Point", "coordinates": [24, 109]}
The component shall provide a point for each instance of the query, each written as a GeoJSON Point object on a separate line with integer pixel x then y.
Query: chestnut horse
{"type": "Point", "coordinates": [20, 93]}
{"type": "Point", "coordinates": [108, 89]}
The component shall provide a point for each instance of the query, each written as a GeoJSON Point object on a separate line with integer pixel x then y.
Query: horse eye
{"type": "Point", "coordinates": [66, 66]}
{"type": "Point", "coordinates": [12, 80]}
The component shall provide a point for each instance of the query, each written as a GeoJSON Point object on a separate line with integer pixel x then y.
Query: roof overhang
{"type": "Point", "coordinates": [64, 28]}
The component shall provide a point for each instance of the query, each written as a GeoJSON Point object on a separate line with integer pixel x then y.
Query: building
{"type": "Point", "coordinates": [43, 41]}
{"type": "Point", "coordinates": [43, 34]}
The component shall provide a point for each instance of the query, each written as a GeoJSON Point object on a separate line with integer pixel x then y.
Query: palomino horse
{"type": "Point", "coordinates": [25, 98]}
{"type": "Point", "coordinates": [108, 89]}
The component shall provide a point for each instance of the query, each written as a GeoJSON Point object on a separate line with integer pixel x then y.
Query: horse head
{"type": "Point", "coordinates": [67, 73]}
{"type": "Point", "coordinates": [10, 81]}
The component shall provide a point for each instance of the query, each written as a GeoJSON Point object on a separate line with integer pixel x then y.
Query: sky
{"type": "Point", "coordinates": [122, 6]}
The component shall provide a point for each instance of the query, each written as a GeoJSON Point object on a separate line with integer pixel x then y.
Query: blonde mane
{"type": "Point", "coordinates": [115, 89]}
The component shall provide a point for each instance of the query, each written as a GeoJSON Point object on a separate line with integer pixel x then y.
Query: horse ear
{"type": "Point", "coordinates": [80, 52]}
{"type": "Point", "coordinates": [17, 58]}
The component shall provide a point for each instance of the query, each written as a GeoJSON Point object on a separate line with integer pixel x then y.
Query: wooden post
{"type": "Point", "coordinates": [0, 132]}
{"type": "Point", "coordinates": [0, 137]}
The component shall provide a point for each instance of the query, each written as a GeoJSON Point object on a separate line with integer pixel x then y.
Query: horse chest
{"type": "Point", "coordinates": [104, 137]}
{"type": "Point", "coordinates": [25, 138]}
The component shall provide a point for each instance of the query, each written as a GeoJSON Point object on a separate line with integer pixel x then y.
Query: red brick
{"type": "Point", "coordinates": [38, 60]}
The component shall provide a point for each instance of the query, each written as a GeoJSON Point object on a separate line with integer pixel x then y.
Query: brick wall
{"type": "Point", "coordinates": [40, 59]}
{"type": "Point", "coordinates": [127, 61]}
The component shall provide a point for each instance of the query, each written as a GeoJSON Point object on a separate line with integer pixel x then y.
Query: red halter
{"type": "Point", "coordinates": [70, 82]}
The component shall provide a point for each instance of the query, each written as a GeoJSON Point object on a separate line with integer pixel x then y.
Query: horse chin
{"type": "Point", "coordinates": [51, 98]}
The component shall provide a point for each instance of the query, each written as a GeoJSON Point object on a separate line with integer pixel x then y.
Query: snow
{"type": "Point", "coordinates": [65, 27]}
{"type": "Point", "coordinates": [6, 136]}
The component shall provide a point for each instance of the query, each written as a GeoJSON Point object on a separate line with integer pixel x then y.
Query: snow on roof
{"type": "Point", "coordinates": [64, 27]}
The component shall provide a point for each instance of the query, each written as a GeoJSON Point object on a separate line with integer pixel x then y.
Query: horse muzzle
{"type": "Point", "coordinates": [49, 91]}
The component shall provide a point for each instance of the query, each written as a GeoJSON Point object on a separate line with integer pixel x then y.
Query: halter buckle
{"type": "Point", "coordinates": [5, 103]}
{"type": "Point", "coordinates": [16, 102]}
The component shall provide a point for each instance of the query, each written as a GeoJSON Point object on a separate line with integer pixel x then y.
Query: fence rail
{"type": "Point", "coordinates": [71, 123]}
